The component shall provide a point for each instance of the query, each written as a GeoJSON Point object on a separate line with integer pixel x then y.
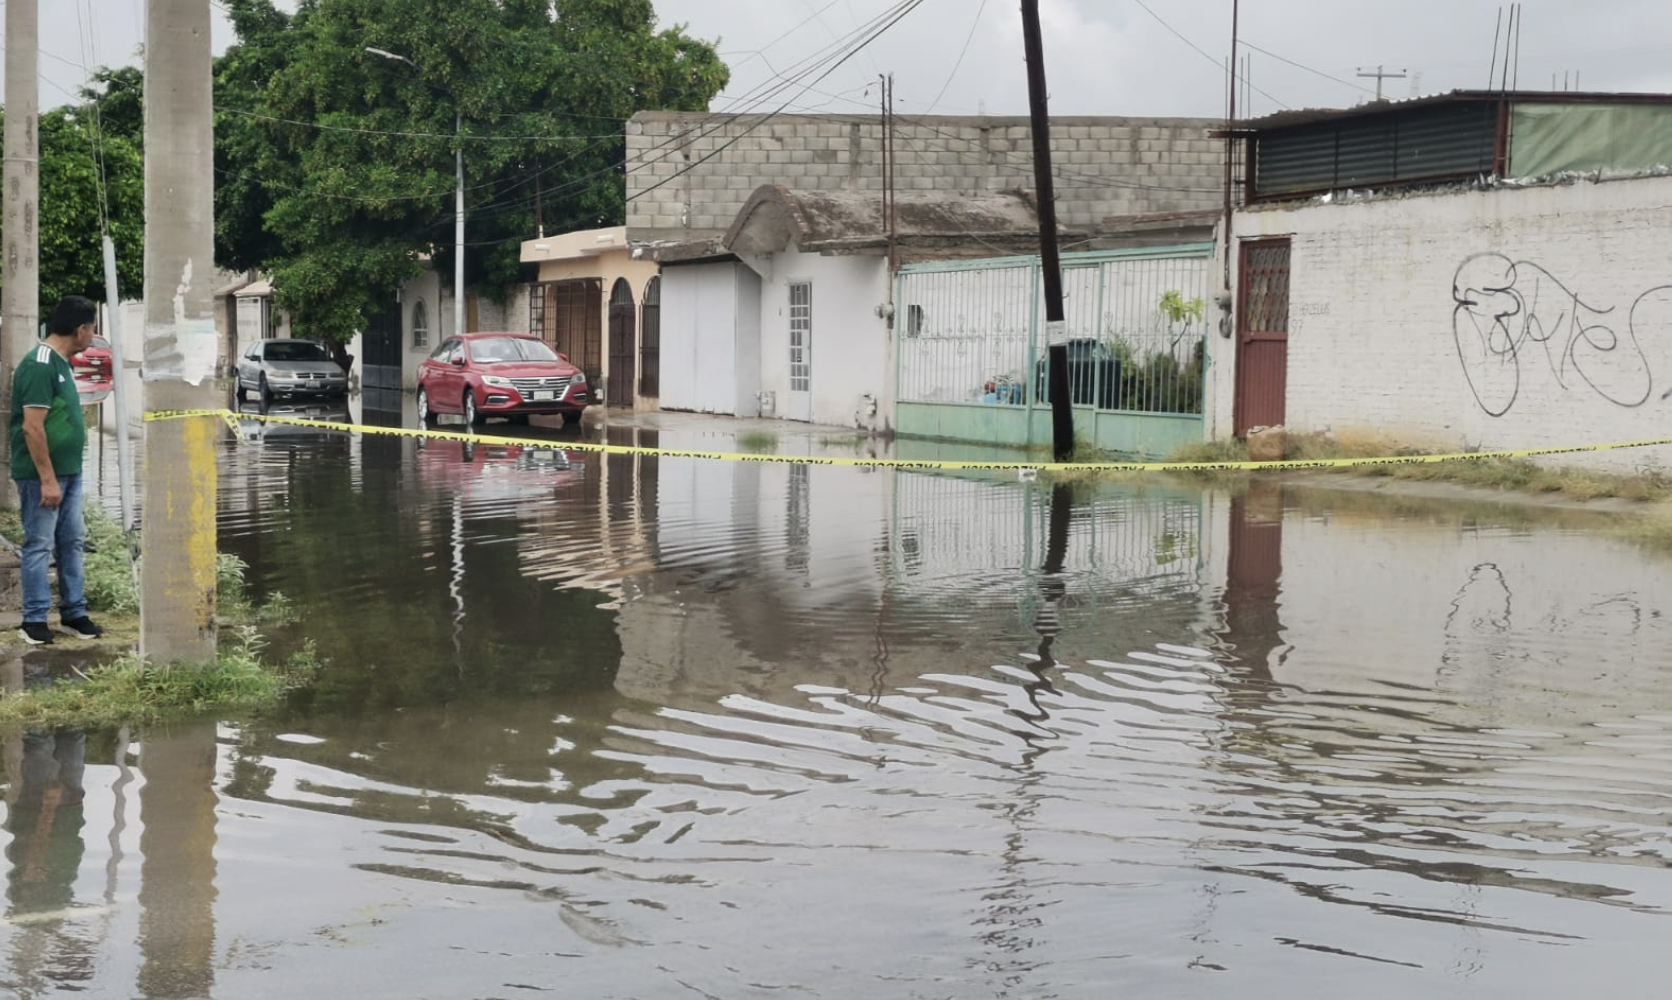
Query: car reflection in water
{"type": "Point", "coordinates": [276, 434]}
{"type": "Point", "coordinates": [479, 470]}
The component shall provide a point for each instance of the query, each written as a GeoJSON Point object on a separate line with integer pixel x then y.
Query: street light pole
{"type": "Point", "coordinates": [458, 194]}
{"type": "Point", "coordinates": [458, 221]}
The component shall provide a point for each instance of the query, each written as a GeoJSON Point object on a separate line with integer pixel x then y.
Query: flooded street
{"type": "Point", "coordinates": [640, 727]}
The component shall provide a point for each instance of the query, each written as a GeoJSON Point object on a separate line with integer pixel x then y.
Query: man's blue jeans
{"type": "Point", "coordinates": [49, 531]}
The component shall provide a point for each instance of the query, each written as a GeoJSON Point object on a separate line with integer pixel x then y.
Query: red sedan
{"type": "Point", "coordinates": [93, 371]}
{"type": "Point", "coordinates": [513, 375]}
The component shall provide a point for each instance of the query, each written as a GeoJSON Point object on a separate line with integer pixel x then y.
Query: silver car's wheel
{"type": "Point", "coordinates": [426, 416]}
{"type": "Point", "coordinates": [471, 417]}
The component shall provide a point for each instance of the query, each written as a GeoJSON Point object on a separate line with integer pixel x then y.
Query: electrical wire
{"type": "Point", "coordinates": [1181, 37]}
{"type": "Point", "coordinates": [1316, 72]}
{"type": "Point", "coordinates": [959, 63]}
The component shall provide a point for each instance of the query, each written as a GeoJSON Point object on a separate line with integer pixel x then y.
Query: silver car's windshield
{"type": "Point", "coordinates": [501, 350]}
{"type": "Point", "coordinates": [296, 352]}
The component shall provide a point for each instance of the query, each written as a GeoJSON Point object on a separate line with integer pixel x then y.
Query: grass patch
{"type": "Point", "coordinates": [758, 442]}
{"type": "Point", "coordinates": [125, 689]}
{"type": "Point", "coordinates": [1504, 474]}
{"type": "Point", "coordinates": [128, 691]}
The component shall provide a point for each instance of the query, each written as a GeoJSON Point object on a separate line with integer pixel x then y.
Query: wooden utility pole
{"type": "Point", "coordinates": [182, 350]}
{"type": "Point", "coordinates": [22, 314]}
{"type": "Point", "coordinates": [1382, 74]}
{"type": "Point", "coordinates": [1062, 414]}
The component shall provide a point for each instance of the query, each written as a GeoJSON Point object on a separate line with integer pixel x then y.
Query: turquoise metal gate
{"type": "Point", "coordinates": [971, 351]}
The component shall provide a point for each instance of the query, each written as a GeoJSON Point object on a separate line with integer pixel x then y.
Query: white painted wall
{"type": "Point", "coordinates": [850, 341]}
{"type": "Point", "coordinates": [703, 336]}
{"type": "Point", "coordinates": [1568, 340]}
{"type": "Point", "coordinates": [438, 316]}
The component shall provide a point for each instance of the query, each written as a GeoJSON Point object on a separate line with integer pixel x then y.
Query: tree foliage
{"type": "Point", "coordinates": [336, 165]}
{"type": "Point", "coordinates": [83, 173]}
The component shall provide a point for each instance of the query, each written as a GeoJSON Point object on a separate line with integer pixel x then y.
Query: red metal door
{"type": "Point", "coordinates": [1262, 335]}
{"type": "Point", "coordinates": [624, 322]}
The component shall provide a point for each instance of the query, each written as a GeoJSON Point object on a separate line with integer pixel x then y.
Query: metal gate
{"type": "Point", "coordinates": [568, 315]}
{"type": "Point", "coordinates": [650, 341]}
{"type": "Point", "coordinates": [623, 326]}
{"type": "Point", "coordinates": [381, 344]}
{"type": "Point", "coordinates": [973, 358]}
{"type": "Point", "coordinates": [1262, 335]}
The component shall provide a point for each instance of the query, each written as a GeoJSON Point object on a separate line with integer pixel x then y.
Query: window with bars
{"type": "Point", "coordinates": [801, 336]}
{"type": "Point", "coordinates": [420, 325]}
{"type": "Point", "coordinates": [1266, 283]}
{"type": "Point", "coordinates": [537, 310]}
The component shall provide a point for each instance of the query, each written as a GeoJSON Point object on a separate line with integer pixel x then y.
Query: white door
{"type": "Point", "coordinates": [799, 406]}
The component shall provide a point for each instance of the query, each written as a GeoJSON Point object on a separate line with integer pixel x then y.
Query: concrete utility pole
{"type": "Point", "coordinates": [22, 316]}
{"type": "Point", "coordinates": [182, 350]}
{"type": "Point", "coordinates": [1062, 414]}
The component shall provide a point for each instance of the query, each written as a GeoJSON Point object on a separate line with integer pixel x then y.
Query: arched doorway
{"type": "Point", "coordinates": [623, 324]}
{"type": "Point", "coordinates": [650, 341]}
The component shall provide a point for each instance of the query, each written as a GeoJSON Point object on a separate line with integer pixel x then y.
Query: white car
{"type": "Point", "coordinates": [282, 367]}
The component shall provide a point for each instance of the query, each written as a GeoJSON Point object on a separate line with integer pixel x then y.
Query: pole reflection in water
{"type": "Point", "coordinates": [177, 873]}
{"type": "Point", "coordinates": [455, 582]}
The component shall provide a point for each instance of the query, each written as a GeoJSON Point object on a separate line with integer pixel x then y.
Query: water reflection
{"type": "Point", "coordinates": [872, 734]}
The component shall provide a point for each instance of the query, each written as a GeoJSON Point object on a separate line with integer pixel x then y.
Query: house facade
{"type": "Point", "coordinates": [598, 304]}
{"type": "Point", "coordinates": [791, 313]}
{"type": "Point", "coordinates": [816, 345]}
{"type": "Point", "coordinates": [1467, 272]}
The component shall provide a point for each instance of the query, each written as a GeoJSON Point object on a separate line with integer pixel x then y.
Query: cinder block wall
{"type": "Point", "coordinates": [688, 174]}
{"type": "Point", "coordinates": [1503, 319]}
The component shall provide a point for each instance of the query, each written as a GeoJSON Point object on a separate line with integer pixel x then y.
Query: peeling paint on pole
{"type": "Point", "coordinates": [185, 349]}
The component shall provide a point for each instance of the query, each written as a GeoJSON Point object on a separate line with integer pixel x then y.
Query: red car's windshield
{"type": "Point", "coordinates": [503, 350]}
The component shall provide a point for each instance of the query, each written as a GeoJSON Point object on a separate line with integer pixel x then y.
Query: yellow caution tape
{"type": "Point", "coordinates": [232, 419]}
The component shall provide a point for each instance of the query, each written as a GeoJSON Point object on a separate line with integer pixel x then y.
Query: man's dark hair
{"type": "Point", "coordinates": [72, 311]}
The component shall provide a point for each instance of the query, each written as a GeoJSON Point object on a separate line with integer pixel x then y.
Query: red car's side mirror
{"type": "Point", "coordinates": [457, 362]}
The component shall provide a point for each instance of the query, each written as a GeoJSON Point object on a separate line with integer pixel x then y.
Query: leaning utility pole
{"type": "Point", "coordinates": [182, 350]}
{"type": "Point", "coordinates": [1062, 416]}
{"type": "Point", "coordinates": [22, 315]}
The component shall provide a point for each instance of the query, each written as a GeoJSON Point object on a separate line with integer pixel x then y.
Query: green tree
{"type": "Point", "coordinates": [347, 157]}
{"type": "Point", "coordinates": [82, 175]}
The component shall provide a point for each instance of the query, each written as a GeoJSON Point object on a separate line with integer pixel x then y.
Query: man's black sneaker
{"type": "Point", "coordinates": [36, 633]}
{"type": "Point", "coordinates": [83, 627]}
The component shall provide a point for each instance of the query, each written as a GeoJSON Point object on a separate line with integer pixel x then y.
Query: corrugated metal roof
{"type": "Point", "coordinates": [1309, 116]}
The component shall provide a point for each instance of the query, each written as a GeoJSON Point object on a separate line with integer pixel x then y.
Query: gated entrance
{"type": "Point", "coordinates": [568, 315]}
{"type": "Point", "coordinates": [623, 326]}
{"type": "Point", "coordinates": [382, 343]}
{"type": "Point", "coordinates": [650, 341]}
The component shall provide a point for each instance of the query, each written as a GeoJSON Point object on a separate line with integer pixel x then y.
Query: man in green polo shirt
{"type": "Point", "coordinates": [48, 435]}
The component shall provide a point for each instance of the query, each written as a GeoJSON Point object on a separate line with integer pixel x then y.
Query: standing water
{"type": "Point", "coordinates": [632, 726]}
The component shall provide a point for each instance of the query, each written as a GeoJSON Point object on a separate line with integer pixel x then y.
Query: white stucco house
{"type": "Point", "coordinates": [790, 314]}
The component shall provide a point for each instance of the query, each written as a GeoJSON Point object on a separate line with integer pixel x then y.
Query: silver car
{"type": "Point", "coordinates": [273, 368]}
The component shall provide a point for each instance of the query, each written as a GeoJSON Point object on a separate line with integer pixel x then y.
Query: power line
{"type": "Point", "coordinates": [894, 17]}
{"type": "Point", "coordinates": [1180, 35]}
{"type": "Point", "coordinates": [957, 65]}
{"type": "Point", "coordinates": [1315, 72]}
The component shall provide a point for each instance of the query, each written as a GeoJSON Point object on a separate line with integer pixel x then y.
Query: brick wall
{"type": "Point", "coordinates": [689, 174]}
{"type": "Point", "coordinates": [1559, 332]}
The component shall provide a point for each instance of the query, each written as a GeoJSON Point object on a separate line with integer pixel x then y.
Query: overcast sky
{"type": "Point", "coordinates": [1103, 57]}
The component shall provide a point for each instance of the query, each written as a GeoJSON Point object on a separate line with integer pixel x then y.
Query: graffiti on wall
{"type": "Point", "coordinates": [1511, 316]}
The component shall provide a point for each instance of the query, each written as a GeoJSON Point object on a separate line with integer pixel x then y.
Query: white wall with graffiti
{"type": "Point", "coordinates": [1526, 317]}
